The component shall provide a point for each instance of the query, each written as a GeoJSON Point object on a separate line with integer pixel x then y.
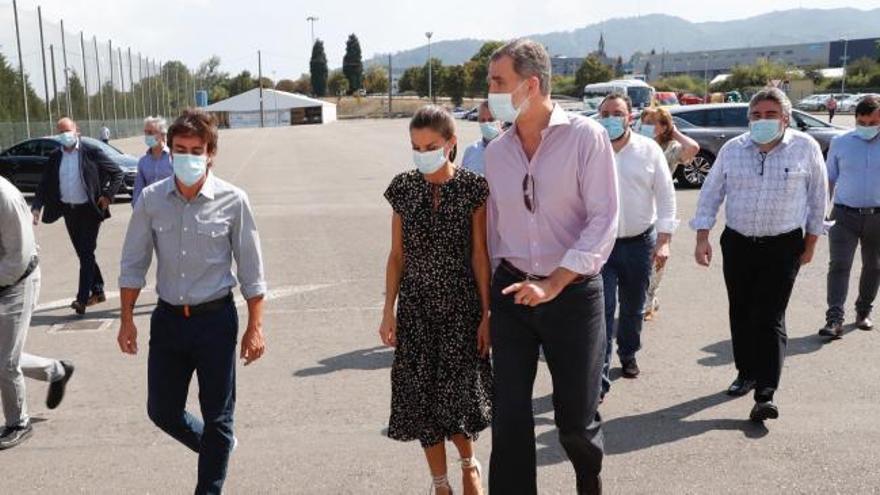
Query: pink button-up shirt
{"type": "Point", "coordinates": [574, 224]}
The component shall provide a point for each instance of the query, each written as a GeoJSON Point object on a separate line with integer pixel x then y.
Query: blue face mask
{"type": "Point", "coordinates": [429, 162]}
{"type": "Point", "coordinates": [867, 132]}
{"type": "Point", "coordinates": [189, 169]}
{"type": "Point", "coordinates": [68, 139]}
{"type": "Point", "coordinates": [765, 131]}
{"type": "Point", "coordinates": [614, 125]}
{"type": "Point", "coordinates": [490, 130]}
{"type": "Point", "coordinates": [150, 140]}
{"type": "Point", "coordinates": [647, 130]}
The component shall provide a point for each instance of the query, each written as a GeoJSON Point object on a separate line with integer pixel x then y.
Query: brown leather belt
{"type": "Point", "coordinates": [521, 275]}
{"type": "Point", "coordinates": [186, 310]}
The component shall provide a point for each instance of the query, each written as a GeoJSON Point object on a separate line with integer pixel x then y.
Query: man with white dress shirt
{"type": "Point", "coordinates": [645, 227]}
{"type": "Point", "coordinates": [773, 182]}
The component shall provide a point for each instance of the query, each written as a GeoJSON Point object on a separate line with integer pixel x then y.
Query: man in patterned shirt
{"type": "Point", "coordinates": [774, 184]}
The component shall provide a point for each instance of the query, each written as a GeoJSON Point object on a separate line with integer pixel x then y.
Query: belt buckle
{"type": "Point", "coordinates": [186, 313]}
{"type": "Point", "coordinates": [866, 211]}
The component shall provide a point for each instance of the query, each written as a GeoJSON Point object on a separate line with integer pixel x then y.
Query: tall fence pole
{"type": "Point", "coordinates": [54, 80]}
{"type": "Point", "coordinates": [66, 71]}
{"type": "Point", "coordinates": [162, 68]}
{"type": "Point", "coordinates": [100, 82]}
{"type": "Point", "coordinates": [24, 99]}
{"type": "Point", "coordinates": [113, 89]}
{"type": "Point", "coordinates": [82, 47]}
{"type": "Point", "coordinates": [45, 74]}
{"type": "Point", "coordinates": [141, 81]}
{"type": "Point", "coordinates": [159, 107]}
{"type": "Point", "coordinates": [122, 83]}
{"type": "Point", "coordinates": [260, 76]}
{"type": "Point", "coordinates": [134, 101]}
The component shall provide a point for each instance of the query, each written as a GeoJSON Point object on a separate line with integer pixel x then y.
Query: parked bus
{"type": "Point", "coordinates": [640, 92]}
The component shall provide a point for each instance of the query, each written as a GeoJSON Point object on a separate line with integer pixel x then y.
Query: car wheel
{"type": "Point", "coordinates": [693, 173]}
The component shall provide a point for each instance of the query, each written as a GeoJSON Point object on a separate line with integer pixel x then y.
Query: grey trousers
{"type": "Point", "coordinates": [850, 230]}
{"type": "Point", "coordinates": [16, 306]}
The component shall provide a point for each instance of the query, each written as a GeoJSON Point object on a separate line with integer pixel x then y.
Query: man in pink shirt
{"type": "Point", "coordinates": [552, 222]}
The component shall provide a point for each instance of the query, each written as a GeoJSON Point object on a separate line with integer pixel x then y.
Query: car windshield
{"type": "Point", "coordinates": [641, 97]}
{"type": "Point", "coordinates": [106, 148]}
{"type": "Point", "coordinates": [808, 120]}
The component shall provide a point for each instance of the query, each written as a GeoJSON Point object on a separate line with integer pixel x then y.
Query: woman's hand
{"type": "Point", "coordinates": [388, 329]}
{"type": "Point", "coordinates": [484, 341]}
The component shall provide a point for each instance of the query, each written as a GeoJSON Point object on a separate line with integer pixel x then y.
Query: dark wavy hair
{"type": "Point", "coordinates": [439, 120]}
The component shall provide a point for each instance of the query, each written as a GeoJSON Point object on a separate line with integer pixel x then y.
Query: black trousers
{"type": "Point", "coordinates": [760, 275]}
{"type": "Point", "coordinates": [571, 331]}
{"type": "Point", "coordinates": [83, 225]}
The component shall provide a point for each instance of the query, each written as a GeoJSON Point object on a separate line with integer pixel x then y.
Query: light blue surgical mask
{"type": "Point", "coordinates": [614, 125]}
{"type": "Point", "coordinates": [867, 132]}
{"type": "Point", "coordinates": [490, 130]}
{"type": "Point", "coordinates": [429, 162]}
{"type": "Point", "coordinates": [150, 140]}
{"type": "Point", "coordinates": [189, 169]}
{"type": "Point", "coordinates": [501, 105]}
{"type": "Point", "coordinates": [647, 130]}
{"type": "Point", "coordinates": [765, 131]}
{"type": "Point", "coordinates": [68, 139]}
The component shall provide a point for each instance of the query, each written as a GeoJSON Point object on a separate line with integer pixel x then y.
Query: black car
{"type": "Point", "coordinates": [712, 125]}
{"type": "Point", "coordinates": [23, 163]}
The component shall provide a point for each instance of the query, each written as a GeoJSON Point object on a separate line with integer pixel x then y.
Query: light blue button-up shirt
{"type": "Point", "coordinates": [854, 171]}
{"type": "Point", "coordinates": [195, 243]}
{"type": "Point", "coordinates": [473, 158]}
{"type": "Point", "coordinates": [151, 170]}
{"type": "Point", "coordinates": [70, 182]}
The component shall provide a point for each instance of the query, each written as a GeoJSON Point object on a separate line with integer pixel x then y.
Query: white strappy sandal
{"type": "Point", "coordinates": [472, 463]}
{"type": "Point", "coordinates": [439, 482]}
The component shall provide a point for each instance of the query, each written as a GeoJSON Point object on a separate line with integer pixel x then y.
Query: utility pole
{"type": "Point", "coordinates": [100, 82]}
{"type": "Point", "coordinates": [390, 81]}
{"type": "Point", "coordinates": [45, 75]}
{"type": "Point", "coordinates": [260, 76]}
{"type": "Point", "coordinates": [845, 58]}
{"type": "Point", "coordinates": [66, 70]}
{"type": "Point", "coordinates": [54, 80]}
{"type": "Point", "coordinates": [122, 83]}
{"type": "Point", "coordinates": [311, 20]}
{"type": "Point", "coordinates": [430, 68]}
{"type": "Point", "coordinates": [113, 90]}
{"type": "Point", "coordinates": [82, 46]}
{"type": "Point", "coordinates": [27, 118]}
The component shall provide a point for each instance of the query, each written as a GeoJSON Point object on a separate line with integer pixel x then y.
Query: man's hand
{"type": "Point", "coordinates": [661, 250]}
{"type": "Point", "coordinates": [807, 255]}
{"type": "Point", "coordinates": [703, 251]}
{"type": "Point", "coordinates": [252, 344]}
{"type": "Point", "coordinates": [532, 292]}
{"type": "Point", "coordinates": [103, 202]}
{"type": "Point", "coordinates": [127, 337]}
{"type": "Point", "coordinates": [484, 341]}
{"type": "Point", "coordinates": [36, 213]}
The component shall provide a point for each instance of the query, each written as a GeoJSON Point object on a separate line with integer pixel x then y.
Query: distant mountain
{"type": "Point", "coordinates": [626, 36]}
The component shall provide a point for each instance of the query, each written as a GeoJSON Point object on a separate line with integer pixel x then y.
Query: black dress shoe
{"type": "Point", "coordinates": [630, 368]}
{"type": "Point", "coordinates": [58, 387]}
{"type": "Point", "coordinates": [764, 411]}
{"type": "Point", "coordinates": [832, 330]}
{"type": "Point", "coordinates": [96, 298]}
{"type": "Point", "coordinates": [12, 437]}
{"type": "Point", "coordinates": [741, 386]}
{"type": "Point", "coordinates": [79, 307]}
{"type": "Point", "coordinates": [863, 322]}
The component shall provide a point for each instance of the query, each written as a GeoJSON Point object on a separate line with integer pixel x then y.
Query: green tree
{"type": "Point", "coordinates": [618, 67]}
{"type": "Point", "coordinates": [682, 83]}
{"type": "Point", "coordinates": [376, 80]}
{"type": "Point", "coordinates": [303, 85]}
{"type": "Point", "coordinates": [409, 81]}
{"type": "Point", "coordinates": [241, 83]}
{"type": "Point", "coordinates": [478, 68]}
{"type": "Point", "coordinates": [565, 85]}
{"type": "Point", "coordinates": [436, 83]}
{"type": "Point", "coordinates": [286, 85]}
{"type": "Point", "coordinates": [455, 83]}
{"type": "Point", "coordinates": [337, 83]}
{"type": "Point", "coordinates": [318, 69]}
{"type": "Point", "coordinates": [592, 70]}
{"type": "Point", "coordinates": [756, 75]}
{"type": "Point", "coordinates": [267, 83]}
{"type": "Point", "coordinates": [353, 64]}
{"type": "Point", "coordinates": [212, 80]}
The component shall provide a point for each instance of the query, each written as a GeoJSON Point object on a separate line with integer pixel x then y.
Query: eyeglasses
{"type": "Point", "coordinates": [529, 197]}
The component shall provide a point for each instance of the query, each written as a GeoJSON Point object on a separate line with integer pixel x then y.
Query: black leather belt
{"type": "Point", "coordinates": [187, 310]}
{"type": "Point", "coordinates": [796, 233]}
{"type": "Point", "coordinates": [35, 262]}
{"type": "Point", "coordinates": [639, 237]}
{"type": "Point", "coordinates": [861, 211]}
{"type": "Point", "coordinates": [521, 275]}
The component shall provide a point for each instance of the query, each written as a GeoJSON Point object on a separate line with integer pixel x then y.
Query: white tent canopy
{"type": "Point", "coordinates": [244, 109]}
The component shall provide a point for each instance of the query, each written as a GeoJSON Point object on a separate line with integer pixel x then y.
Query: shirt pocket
{"type": "Point", "coordinates": [162, 229]}
{"type": "Point", "coordinates": [791, 181]}
{"type": "Point", "coordinates": [213, 241]}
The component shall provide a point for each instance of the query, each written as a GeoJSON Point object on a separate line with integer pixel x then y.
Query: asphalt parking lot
{"type": "Point", "coordinates": [310, 415]}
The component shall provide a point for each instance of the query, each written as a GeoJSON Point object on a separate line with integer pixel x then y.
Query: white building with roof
{"type": "Point", "coordinates": [280, 108]}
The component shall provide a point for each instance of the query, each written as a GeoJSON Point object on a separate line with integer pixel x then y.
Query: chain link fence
{"type": "Point", "coordinates": [49, 70]}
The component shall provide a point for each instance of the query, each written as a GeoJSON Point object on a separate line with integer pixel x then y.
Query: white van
{"type": "Point", "coordinates": [640, 92]}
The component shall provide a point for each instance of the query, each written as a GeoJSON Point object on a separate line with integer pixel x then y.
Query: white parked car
{"type": "Point", "coordinates": [849, 105]}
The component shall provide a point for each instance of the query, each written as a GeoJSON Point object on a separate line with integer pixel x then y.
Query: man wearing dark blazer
{"type": "Point", "coordinates": [79, 184]}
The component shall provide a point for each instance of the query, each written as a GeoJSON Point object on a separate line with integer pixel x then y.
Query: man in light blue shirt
{"type": "Point", "coordinates": [490, 129]}
{"type": "Point", "coordinates": [155, 165]}
{"type": "Point", "coordinates": [854, 177]}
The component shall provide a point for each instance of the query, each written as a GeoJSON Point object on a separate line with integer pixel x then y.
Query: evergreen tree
{"type": "Point", "coordinates": [318, 69]}
{"type": "Point", "coordinates": [353, 64]}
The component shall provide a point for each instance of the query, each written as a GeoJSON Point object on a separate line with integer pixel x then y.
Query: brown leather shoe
{"type": "Point", "coordinates": [863, 322]}
{"type": "Point", "coordinates": [832, 330]}
{"type": "Point", "coordinates": [79, 307]}
{"type": "Point", "coordinates": [96, 299]}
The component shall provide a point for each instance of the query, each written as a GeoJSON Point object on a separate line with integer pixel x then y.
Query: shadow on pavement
{"type": "Point", "coordinates": [722, 352]}
{"type": "Point", "coordinates": [106, 314]}
{"type": "Point", "coordinates": [374, 358]}
{"type": "Point", "coordinates": [643, 431]}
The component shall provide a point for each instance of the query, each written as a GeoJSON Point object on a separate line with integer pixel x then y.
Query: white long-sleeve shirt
{"type": "Point", "coordinates": [17, 244]}
{"type": "Point", "coordinates": [647, 195]}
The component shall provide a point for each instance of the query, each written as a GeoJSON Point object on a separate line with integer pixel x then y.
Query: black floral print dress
{"type": "Point", "coordinates": [440, 386]}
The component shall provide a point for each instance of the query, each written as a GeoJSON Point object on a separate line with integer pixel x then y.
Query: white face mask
{"type": "Point", "coordinates": [429, 162]}
{"type": "Point", "coordinates": [501, 105]}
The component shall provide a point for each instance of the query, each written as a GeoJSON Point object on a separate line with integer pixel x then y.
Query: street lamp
{"type": "Point", "coordinates": [844, 59]}
{"type": "Point", "coordinates": [430, 67]}
{"type": "Point", "coordinates": [706, 76]}
{"type": "Point", "coordinates": [311, 19]}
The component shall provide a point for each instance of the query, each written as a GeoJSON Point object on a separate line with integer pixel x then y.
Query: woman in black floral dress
{"type": "Point", "coordinates": [438, 273]}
